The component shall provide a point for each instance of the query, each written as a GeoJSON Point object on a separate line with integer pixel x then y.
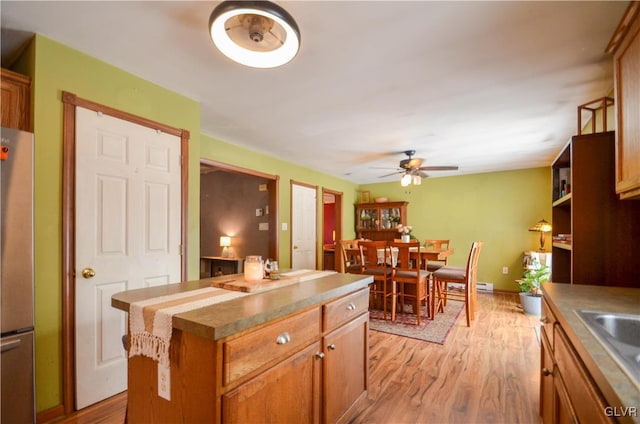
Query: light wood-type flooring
{"type": "Point", "coordinates": [488, 373]}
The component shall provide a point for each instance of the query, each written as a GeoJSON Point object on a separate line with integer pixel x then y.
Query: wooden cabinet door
{"type": "Point", "coordinates": [627, 86]}
{"type": "Point", "coordinates": [547, 391]}
{"type": "Point", "coordinates": [287, 393]}
{"type": "Point", "coordinates": [346, 367]}
{"type": "Point", "coordinates": [15, 100]}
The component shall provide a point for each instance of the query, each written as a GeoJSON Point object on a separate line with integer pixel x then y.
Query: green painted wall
{"type": "Point", "coordinates": [497, 208]}
{"type": "Point", "coordinates": [57, 68]}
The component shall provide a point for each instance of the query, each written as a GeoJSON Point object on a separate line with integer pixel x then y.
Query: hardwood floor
{"type": "Point", "coordinates": [488, 373]}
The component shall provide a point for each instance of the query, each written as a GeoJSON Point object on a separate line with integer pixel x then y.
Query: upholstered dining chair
{"type": "Point", "coordinates": [466, 277]}
{"type": "Point", "coordinates": [381, 271]}
{"type": "Point", "coordinates": [411, 281]}
{"type": "Point", "coordinates": [350, 263]}
{"type": "Point", "coordinates": [434, 244]}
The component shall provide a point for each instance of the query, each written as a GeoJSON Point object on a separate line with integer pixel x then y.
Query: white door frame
{"type": "Point", "coordinates": [70, 102]}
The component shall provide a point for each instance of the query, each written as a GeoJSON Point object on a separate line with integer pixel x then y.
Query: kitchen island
{"type": "Point", "coordinates": [580, 380]}
{"type": "Point", "coordinates": [298, 353]}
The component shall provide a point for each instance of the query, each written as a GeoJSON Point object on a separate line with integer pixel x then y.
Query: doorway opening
{"type": "Point", "coordinates": [331, 228]}
{"type": "Point", "coordinates": [238, 216]}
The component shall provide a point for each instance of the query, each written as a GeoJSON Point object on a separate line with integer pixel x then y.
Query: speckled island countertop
{"type": "Point", "coordinates": [230, 317]}
{"type": "Point", "coordinates": [564, 300]}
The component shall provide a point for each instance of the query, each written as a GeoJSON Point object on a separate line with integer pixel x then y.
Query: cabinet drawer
{"type": "Point", "coordinates": [548, 321]}
{"type": "Point", "coordinates": [345, 309]}
{"type": "Point", "coordinates": [577, 381]}
{"type": "Point", "coordinates": [270, 344]}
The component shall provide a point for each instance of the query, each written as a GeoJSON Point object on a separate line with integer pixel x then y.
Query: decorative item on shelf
{"type": "Point", "coordinates": [253, 268]}
{"type": "Point", "coordinates": [542, 227]}
{"type": "Point", "coordinates": [225, 243]}
{"type": "Point", "coordinates": [405, 232]}
{"type": "Point", "coordinates": [259, 34]}
{"type": "Point", "coordinates": [381, 200]}
{"type": "Point", "coordinates": [365, 196]}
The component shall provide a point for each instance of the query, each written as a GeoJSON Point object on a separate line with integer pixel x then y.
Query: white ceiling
{"type": "Point", "coordinates": [488, 86]}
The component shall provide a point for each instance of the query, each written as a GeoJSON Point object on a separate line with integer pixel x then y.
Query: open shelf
{"type": "Point", "coordinates": [563, 246]}
{"type": "Point", "coordinates": [563, 201]}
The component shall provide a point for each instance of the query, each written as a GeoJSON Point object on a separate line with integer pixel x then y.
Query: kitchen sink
{"type": "Point", "coordinates": [620, 336]}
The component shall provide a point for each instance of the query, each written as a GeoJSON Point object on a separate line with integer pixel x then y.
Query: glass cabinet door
{"type": "Point", "coordinates": [368, 219]}
{"type": "Point", "coordinates": [389, 218]}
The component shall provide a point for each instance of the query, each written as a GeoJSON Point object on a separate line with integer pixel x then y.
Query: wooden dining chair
{"type": "Point", "coordinates": [350, 262]}
{"type": "Point", "coordinates": [411, 281]}
{"type": "Point", "coordinates": [435, 244]}
{"type": "Point", "coordinates": [382, 286]}
{"type": "Point", "coordinates": [467, 277]}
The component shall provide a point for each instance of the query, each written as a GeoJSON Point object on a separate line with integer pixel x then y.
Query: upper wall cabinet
{"type": "Point", "coordinates": [16, 98]}
{"type": "Point", "coordinates": [625, 46]}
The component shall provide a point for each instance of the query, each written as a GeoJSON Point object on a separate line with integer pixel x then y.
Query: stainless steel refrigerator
{"type": "Point", "coordinates": [16, 273]}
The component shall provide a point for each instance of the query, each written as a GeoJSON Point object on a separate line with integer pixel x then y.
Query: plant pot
{"type": "Point", "coordinates": [406, 238]}
{"type": "Point", "coordinates": [531, 304]}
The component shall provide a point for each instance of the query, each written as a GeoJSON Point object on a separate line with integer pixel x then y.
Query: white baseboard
{"type": "Point", "coordinates": [482, 286]}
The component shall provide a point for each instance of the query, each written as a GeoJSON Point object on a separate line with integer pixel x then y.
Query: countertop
{"type": "Point", "coordinates": [228, 318]}
{"type": "Point", "coordinates": [564, 300]}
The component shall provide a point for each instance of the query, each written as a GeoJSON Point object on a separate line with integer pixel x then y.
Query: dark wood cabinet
{"type": "Point", "coordinates": [595, 234]}
{"type": "Point", "coordinates": [378, 221]}
{"type": "Point", "coordinates": [16, 100]}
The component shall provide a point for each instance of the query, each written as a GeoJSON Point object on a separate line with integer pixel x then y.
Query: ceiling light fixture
{"type": "Point", "coordinates": [259, 34]}
{"type": "Point", "coordinates": [405, 180]}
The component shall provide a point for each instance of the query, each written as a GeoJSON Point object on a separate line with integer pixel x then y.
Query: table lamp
{"type": "Point", "coordinates": [225, 243]}
{"type": "Point", "coordinates": [542, 227]}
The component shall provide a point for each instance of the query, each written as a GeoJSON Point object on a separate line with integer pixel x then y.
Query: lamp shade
{"type": "Point", "coordinates": [405, 180]}
{"type": "Point", "coordinates": [225, 241]}
{"type": "Point", "coordinates": [541, 226]}
{"type": "Point", "coordinates": [259, 34]}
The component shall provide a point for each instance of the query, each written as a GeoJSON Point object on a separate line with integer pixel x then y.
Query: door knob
{"type": "Point", "coordinates": [88, 273]}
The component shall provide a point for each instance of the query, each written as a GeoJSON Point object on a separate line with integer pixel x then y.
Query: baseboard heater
{"type": "Point", "coordinates": [482, 286]}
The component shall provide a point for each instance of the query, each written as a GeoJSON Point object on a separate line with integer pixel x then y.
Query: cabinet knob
{"type": "Point", "coordinates": [546, 372]}
{"type": "Point", "coordinates": [332, 346]}
{"type": "Point", "coordinates": [544, 319]}
{"type": "Point", "coordinates": [283, 338]}
{"type": "Point", "coordinates": [351, 307]}
{"type": "Point", "coordinates": [320, 355]}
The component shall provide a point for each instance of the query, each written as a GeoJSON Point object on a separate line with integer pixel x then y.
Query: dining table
{"type": "Point", "coordinates": [426, 254]}
{"type": "Point", "coordinates": [431, 254]}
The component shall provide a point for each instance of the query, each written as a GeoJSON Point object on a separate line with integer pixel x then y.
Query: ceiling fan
{"type": "Point", "coordinates": [413, 171]}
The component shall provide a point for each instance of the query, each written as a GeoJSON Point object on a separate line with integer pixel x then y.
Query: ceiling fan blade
{"type": "Point", "coordinates": [423, 174]}
{"type": "Point", "coordinates": [384, 167]}
{"type": "Point", "coordinates": [393, 173]}
{"type": "Point", "coordinates": [438, 168]}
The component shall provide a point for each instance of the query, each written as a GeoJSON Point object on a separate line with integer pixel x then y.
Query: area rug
{"type": "Point", "coordinates": [434, 331]}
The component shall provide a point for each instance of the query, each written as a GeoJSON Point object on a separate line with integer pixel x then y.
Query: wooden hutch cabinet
{"type": "Point", "coordinates": [378, 221]}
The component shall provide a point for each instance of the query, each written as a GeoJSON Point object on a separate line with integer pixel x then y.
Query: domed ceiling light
{"type": "Point", "coordinates": [259, 34]}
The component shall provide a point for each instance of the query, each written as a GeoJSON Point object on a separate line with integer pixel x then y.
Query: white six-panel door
{"type": "Point", "coordinates": [127, 233]}
{"type": "Point", "coordinates": [304, 227]}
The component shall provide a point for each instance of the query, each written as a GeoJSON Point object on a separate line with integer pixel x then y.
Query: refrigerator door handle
{"type": "Point", "coordinates": [13, 344]}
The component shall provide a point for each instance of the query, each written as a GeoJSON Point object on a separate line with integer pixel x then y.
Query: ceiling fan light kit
{"type": "Point", "coordinates": [412, 168]}
{"type": "Point", "coordinates": [259, 34]}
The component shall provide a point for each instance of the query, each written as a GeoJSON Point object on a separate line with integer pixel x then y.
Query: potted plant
{"type": "Point", "coordinates": [530, 287]}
